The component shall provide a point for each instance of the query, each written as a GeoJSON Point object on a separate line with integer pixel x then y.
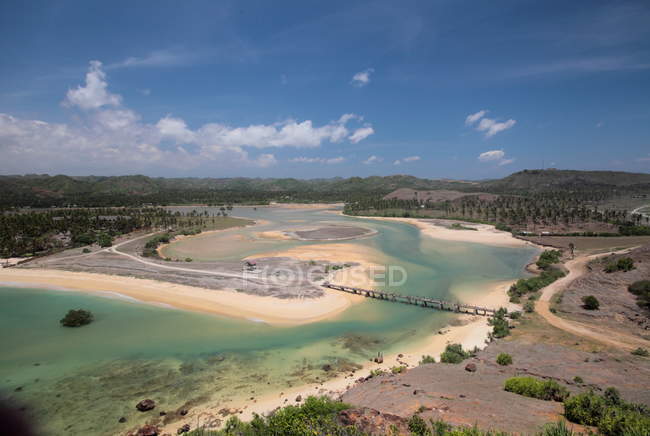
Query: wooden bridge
{"type": "Point", "coordinates": [414, 300]}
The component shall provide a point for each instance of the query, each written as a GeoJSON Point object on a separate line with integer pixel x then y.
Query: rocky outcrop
{"type": "Point", "coordinates": [148, 430]}
{"type": "Point", "coordinates": [372, 421]}
{"type": "Point", "coordinates": [470, 367]}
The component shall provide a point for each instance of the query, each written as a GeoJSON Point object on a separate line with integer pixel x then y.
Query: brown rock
{"type": "Point", "coordinates": [471, 367]}
{"type": "Point", "coordinates": [183, 429]}
{"type": "Point", "coordinates": [145, 405]}
{"type": "Point", "coordinates": [122, 419]}
{"type": "Point", "coordinates": [372, 421]}
{"type": "Point", "coordinates": [148, 430]}
{"type": "Point", "coordinates": [298, 398]}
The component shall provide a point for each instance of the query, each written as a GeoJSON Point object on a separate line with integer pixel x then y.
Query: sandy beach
{"type": "Point", "coordinates": [484, 234]}
{"type": "Point", "coordinates": [230, 303]}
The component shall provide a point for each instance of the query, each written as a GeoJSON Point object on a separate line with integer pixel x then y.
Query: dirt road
{"type": "Point", "coordinates": [577, 267]}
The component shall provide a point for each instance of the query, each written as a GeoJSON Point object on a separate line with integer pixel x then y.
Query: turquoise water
{"type": "Point", "coordinates": [81, 381]}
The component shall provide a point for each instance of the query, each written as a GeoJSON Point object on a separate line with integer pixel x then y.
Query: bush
{"type": "Point", "coordinates": [514, 315]}
{"type": "Point", "coordinates": [642, 291]}
{"type": "Point", "coordinates": [529, 306]}
{"type": "Point", "coordinates": [417, 426]}
{"type": "Point", "coordinates": [454, 353]}
{"type": "Point", "coordinates": [577, 379]}
{"type": "Point", "coordinates": [153, 243]}
{"type": "Point", "coordinates": [188, 259]}
{"type": "Point", "coordinates": [641, 352]}
{"type": "Point", "coordinates": [534, 388]}
{"type": "Point", "coordinates": [499, 323]}
{"type": "Point", "coordinates": [398, 369]}
{"type": "Point", "coordinates": [77, 318]}
{"type": "Point", "coordinates": [590, 302]}
{"type": "Point", "coordinates": [504, 359]}
{"type": "Point", "coordinates": [548, 258]}
{"type": "Point", "coordinates": [623, 264]}
{"type": "Point", "coordinates": [86, 250]}
{"type": "Point", "coordinates": [104, 240]}
{"type": "Point", "coordinates": [609, 413]}
{"type": "Point", "coordinates": [427, 359]}
{"type": "Point", "coordinates": [533, 284]}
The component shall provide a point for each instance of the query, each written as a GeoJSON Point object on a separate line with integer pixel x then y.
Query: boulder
{"type": "Point", "coordinates": [183, 412]}
{"type": "Point", "coordinates": [145, 405]}
{"type": "Point", "coordinates": [298, 398]}
{"type": "Point", "coordinates": [471, 367]}
{"type": "Point", "coordinates": [148, 430]}
{"type": "Point", "coordinates": [122, 419]}
{"type": "Point", "coordinates": [183, 429]}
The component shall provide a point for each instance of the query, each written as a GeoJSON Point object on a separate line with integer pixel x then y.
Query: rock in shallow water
{"type": "Point", "coordinates": [145, 405]}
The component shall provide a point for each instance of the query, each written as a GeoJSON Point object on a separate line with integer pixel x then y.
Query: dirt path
{"type": "Point", "coordinates": [577, 267]}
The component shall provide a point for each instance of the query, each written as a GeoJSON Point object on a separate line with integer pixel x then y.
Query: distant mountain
{"type": "Point", "coordinates": [567, 180]}
{"type": "Point", "coordinates": [46, 190]}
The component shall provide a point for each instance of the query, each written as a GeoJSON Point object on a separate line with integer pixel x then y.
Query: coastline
{"type": "Point", "coordinates": [472, 332]}
{"type": "Point", "coordinates": [484, 233]}
{"type": "Point", "coordinates": [227, 302]}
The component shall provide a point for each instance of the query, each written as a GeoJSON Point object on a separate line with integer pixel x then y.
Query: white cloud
{"type": "Point", "coordinates": [94, 94]}
{"type": "Point", "coordinates": [373, 159]}
{"type": "Point", "coordinates": [600, 124]}
{"type": "Point", "coordinates": [488, 125]}
{"type": "Point", "coordinates": [361, 134]}
{"type": "Point", "coordinates": [157, 58]}
{"type": "Point", "coordinates": [406, 160]}
{"type": "Point", "coordinates": [495, 156]}
{"type": "Point", "coordinates": [110, 137]}
{"type": "Point", "coordinates": [329, 161]}
{"type": "Point", "coordinates": [644, 159]}
{"type": "Point", "coordinates": [362, 78]}
{"type": "Point", "coordinates": [471, 119]}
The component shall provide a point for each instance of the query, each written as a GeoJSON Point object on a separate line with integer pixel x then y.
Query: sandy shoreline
{"type": "Point", "coordinates": [229, 303]}
{"type": "Point", "coordinates": [484, 233]}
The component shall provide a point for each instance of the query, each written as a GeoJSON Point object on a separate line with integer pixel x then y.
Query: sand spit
{"type": "Point", "coordinates": [484, 234]}
{"type": "Point", "coordinates": [275, 311]}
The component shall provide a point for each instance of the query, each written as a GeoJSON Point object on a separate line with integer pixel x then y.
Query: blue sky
{"type": "Point", "coordinates": [452, 89]}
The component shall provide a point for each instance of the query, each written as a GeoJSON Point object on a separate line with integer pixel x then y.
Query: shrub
{"type": "Point", "coordinates": [454, 353]}
{"type": "Point", "coordinates": [642, 291]}
{"type": "Point", "coordinates": [529, 306]}
{"type": "Point", "coordinates": [188, 259]}
{"type": "Point", "coordinates": [548, 258]}
{"type": "Point", "coordinates": [153, 243]}
{"type": "Point", "coordinates": [427, 359]}
{"type": "Point", "coordinates": [534, 388]}
{"type": "Point", "coordinates": [504, 359]}
{"type": "Point", "coordinates": [398, 369]}
{"type": "Point", "coordinates": [77, 318]}
{"type": "Point", "coordinates": [533, 284]}
{"type": "Point", "coordinates": [104, 240]}
{"type": "Point", "coordinates": [417, 426]}
{"type": "Point", "coordinates": [609, 413]}
{"type": "Point", "coordinates": [557, 429]}
{"type": "Point", "coordinates": [577, 379]}
{"type": "Point", "coordinates": [641, 352]}
{"type": "Point", "coordinates": [86, 250]}
{"type": "Point", "coordinates": [590, 302]}
{"type": "Point", "coordinates": [499, 323]}
{"type": "Point", "coordinates": [623, 264]}
{"type": "Point", "coordinates": [514, 315]}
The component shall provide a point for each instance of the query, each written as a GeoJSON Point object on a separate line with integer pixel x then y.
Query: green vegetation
{"type": "Point", "coordinates": [454, 353]}
{"type": "Point", "coordinates": [499, 323]}
{"type": "Point", "coordinates": [577, 379]}
{"type": "Point", "coordinates": [548, 258]}
{"type": "Point", "coordinates": [529, 306]}
{"type": "Point", "coordinates": [534, 388]}
{"type": "Point", "coordinates": [377, 372]}
{"type": "Point", "coordinates": [104, 240]}
{"type": "Point", "coordinates": [427, 359]}
{"type": "Point", "coordinates": [85, 250]}
{"type": "Point", "coordinates": [398, 369]}
{"type": "Point", "coordinates": [590, 302]}
{"type": "Point", "coordinates": [504, 359]}
{"type": "Point", "coordinates": [533, 284]}
{"type": "Point", "coordinates": [77, 318]}
{"type": "Point", "coordinates": [641, 289]}
{"type": "Point", "coordinates": [609, 413]}
{"type": "Point", "coordinates": [152, 244]}
{"type": "Point", "coordinates": [623, 264]}
{"type": "Point", "coordinates": [641, 352]}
